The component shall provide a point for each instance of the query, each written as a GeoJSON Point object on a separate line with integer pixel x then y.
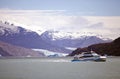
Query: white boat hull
{"type": "Point", "coordinates": [97, 59]}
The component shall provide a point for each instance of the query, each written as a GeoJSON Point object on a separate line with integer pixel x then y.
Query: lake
{"type": "Point", "coordinates": [58, 68]}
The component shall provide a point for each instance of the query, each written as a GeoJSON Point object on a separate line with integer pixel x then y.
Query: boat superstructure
{"type": "Point", "coordinates": [89, 56]}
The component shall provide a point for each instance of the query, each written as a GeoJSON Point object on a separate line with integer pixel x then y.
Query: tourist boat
{"type": "Point", "coordinates": [89, 56]}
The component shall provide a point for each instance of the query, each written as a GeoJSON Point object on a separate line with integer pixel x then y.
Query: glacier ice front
{"type": "Point", "coordinates": [48, 53]}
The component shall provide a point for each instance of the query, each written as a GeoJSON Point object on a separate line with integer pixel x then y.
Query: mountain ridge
{"type": "Point", "coordinates": [110, 49]}
{"type": "Point", "coordinates": [69, 39]}
{"type": "Point", "coordinates": [55, 41]}
{"type": "Point", "coordinates": [25, 38]}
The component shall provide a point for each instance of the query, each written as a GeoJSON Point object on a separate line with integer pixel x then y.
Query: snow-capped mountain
{"type": "Point", "coordinates": [54, 41]}
{"type": "Point", "coordinates": [19, 36]}
{"type": "Point", "coordinates": [7, 29]}
{"type": "Point", "coordinates": [73, 39]}
{"type": "Point", "coordinates": [55, 35]}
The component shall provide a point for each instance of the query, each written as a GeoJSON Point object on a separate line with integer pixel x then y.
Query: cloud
{"type": "Point", "coordinates": [108, 21]}
{"type": "Point", "coordinates": [47, 19]}
{"type": "Point", "coordinates": [59, 20]}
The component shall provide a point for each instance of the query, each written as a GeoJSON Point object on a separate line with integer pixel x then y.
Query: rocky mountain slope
{"type": "Point", "coordinates": [112, 48]}
{"type": "Point", "coordinates": [55, 41]}
{"type": "Point", "coordinates": [16, 51]}
{"type": "Point", "coordinates": [72, 39]}
{"type": "Point", "coordinates": [19, 36]}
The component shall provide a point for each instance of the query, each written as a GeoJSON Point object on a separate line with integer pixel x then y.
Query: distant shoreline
{"type": "Point", "coordinates": [10, 57]}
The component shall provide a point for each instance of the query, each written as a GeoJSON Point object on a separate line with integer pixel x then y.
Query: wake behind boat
{"type": "Point", "coordinates": [89, 56]}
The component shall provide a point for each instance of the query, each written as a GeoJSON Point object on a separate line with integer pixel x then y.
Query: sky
{"type": "Point", "coordinates": [89, 7]}
{"type": "Point", "coordinates": [99, 16]}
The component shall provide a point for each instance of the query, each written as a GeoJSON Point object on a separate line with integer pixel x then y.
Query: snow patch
{"type": "Point", "coordinates": [70, 48]}
{"type": "Point", "coordinates": [55, 35]}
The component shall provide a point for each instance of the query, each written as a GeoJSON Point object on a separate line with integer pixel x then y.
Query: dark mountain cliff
{"type": "Point", "coordinates": [112, 48]}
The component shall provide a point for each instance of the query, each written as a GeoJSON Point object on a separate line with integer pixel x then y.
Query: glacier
{"type": "Point", "coordinates": [51, 53]}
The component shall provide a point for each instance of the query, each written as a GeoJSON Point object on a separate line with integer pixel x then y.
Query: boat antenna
{"type": "Point", "coordinates": [91, 50]}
